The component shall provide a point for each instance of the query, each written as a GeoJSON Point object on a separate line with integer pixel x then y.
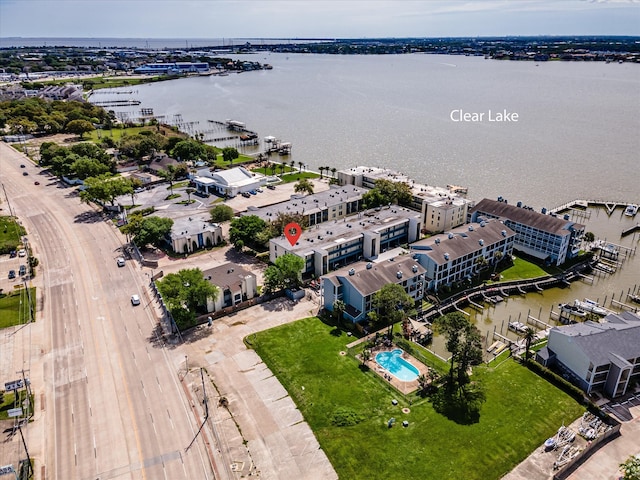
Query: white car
{"type": "Point", "coordinates": [22, 252]}
{"type": "Point", "coordinates": [135, 300]}
{"type": "Point", "coordinates": [120, 261]}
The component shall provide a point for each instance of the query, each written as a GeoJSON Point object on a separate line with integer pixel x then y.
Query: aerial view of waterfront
{"type": "Point", "coordinates": [576, 135]}
{"type": "Point", "coordinates": [320, 240]}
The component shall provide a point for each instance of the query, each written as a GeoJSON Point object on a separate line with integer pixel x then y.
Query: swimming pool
{"type": "Point", "coordinates": [397, 366]}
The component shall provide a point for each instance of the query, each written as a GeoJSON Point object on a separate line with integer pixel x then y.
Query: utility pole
{"type": "Point", "coordinates": [206, 411]}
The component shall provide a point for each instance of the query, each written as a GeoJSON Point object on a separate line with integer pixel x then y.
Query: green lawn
{"type": "Point", "coordinates": [10, 402]}
{"type": "Point", "coordinates": [295, 176]}
{"type": "Point", "coordinates": [522, 270]}
{"type": "Point", "coordinates": [10, 234]}
{"type": "Point", "coordinates": [13, 307]}
{"type": "Point", "coordinates": [521, 411]}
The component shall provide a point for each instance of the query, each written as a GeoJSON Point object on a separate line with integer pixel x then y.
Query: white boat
{"type": "Point", "coordinates": [517, 327]}
{"type": "Point", "coordinates": [591, 306]}
{"type": "Point", "coordinates": [572, 309]}
{"type": "Point", "coordinates": [631, 210]}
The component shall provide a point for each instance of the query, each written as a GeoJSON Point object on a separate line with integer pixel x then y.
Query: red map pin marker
{"type": "Point", "coordinates": [292, 231]}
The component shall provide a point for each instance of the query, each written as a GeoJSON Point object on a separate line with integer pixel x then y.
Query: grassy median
{"type": "Point", "coordinates": [14, 307]}
{"type": "Point", "coordinates": [520, 412]}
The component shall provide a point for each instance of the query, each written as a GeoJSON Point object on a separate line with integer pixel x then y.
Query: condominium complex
{"type": "Point", "coordinates": [334, 244]}
{"type": "Point", "coordinates": [458, 255]}
{"type": "Point", "coordinates": [440, 208]}
{"type": "Point", "coordinates": [546, 237]}
{"type": "Point", "coordinates": [356, 285]}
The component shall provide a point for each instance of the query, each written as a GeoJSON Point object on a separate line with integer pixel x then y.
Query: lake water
{"type": "Point", "coordinates": [577, 134]}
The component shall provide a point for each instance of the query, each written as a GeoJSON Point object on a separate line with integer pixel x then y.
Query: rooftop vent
{"type": "Point", "coordinates": [437, 241]}
{"type": "Point", "coordinates": [504, 233]}
{"type": "Point", "coordinates": [481, 242]}
{"type": "Point", "coordinates": [352, 271]}
{"type": "Point", "coordinates": [446, 256]}
{"type": "Point", "coordinates": [450, 235]}
{"type": "Point", "coordinates": [482, 224]}
{"type": "Point", "coordinates": [369, 265]}
{"type": "Point", "coordinates": [399, 274]}
{"type": "Point", "coordinates": [414, 269]}
{"type": "Point", "coordinates": [471, 228]}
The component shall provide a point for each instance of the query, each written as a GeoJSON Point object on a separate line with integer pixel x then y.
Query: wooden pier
{"type": "Point", "coordinates": [630, 230]}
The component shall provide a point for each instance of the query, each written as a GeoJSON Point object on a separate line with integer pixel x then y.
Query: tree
{"type": "Point", "coordinates": [79, 127]}
{"type": "Point", "coordinates": [188, 150]}
{"type": "Point", "coordinates": [135, 185]}
{"type": "Point", "coordinates": [186, 293]}
{"type": "Point", "coordinates": [497, 257]}
{"type": "Point", "coordinates": [246, 228]}
{"type": "Point", "coordinates": [104, 188]}
{"type": "Point", "coordinates": [303, 186]}
{"type": "Point", "coordinates": [463, 341]}
{"type": "Point", "coordinates": [333, 171]}
{"type": "Point", "coordinates": [229, 154]}
{"type": "Point", "coordinates": [169, 175]}
{"type": "Point", "coordinates": [87, 167]}
{"type": "Point", "coordinates": [221, 213]}
{"type": "Point", "coordinates": [300, 164]}
{"type": "Point", "coordinates": [321, 170]}
{"type": "Point", "coordinates": [338, 310]}
{"type": "Point", "coordinates": [286, 272]}
{"type": "Point", "coordinates": [366, 356]}
{"type": "Point", "coordinates": [153, 230]}
{"type": "Point", "coordinates": [392, 305]}
{"type": "Point", "coordinates": [189, 192]}
{"type": "Point", "coordinates": [529, 337]}
{"type": "Point", "coordinates": [589, 237]}
{"type": "Point", "coordinates": [631, 468]}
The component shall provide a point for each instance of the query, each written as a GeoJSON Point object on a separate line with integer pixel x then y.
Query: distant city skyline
{"type": "Point", "coordinates": [315, 18]}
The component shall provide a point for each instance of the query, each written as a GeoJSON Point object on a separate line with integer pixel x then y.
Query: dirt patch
{"type": "Point", "coordinates": [64, 139]}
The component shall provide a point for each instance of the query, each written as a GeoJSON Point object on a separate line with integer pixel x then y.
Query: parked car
{"type": "Point", "coordinates": [135, 300]}
{"type": "Point", "coordinates": [36, 183]}
{"type": "Point", "coordinates": [22, 252]}
{"type": "Point", "coordinates": [12, 254]}
{"type": "Point", "coordinates": [253, 192]}
{"type": "Point", "coordinates": [259, 190]}
{"type": "Point", "coordinates": [22, 165]}
{"type": "Point", "coordinates": [12, 274]}
{"type": "Point", "coordinates": [25, 173]}
{"type": "Point", "coordinates": [271, 187]}
{"type": "Point", "coordinates": [246, 194]}
{"type": "Point", "coordinates": [22, 270]}
{"type": "Point", "coordinates": [120, 261]}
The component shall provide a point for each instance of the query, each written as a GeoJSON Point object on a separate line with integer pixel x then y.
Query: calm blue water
{"type": "Point", "coordinates": [397, 366]}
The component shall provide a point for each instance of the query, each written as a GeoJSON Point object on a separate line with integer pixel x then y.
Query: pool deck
{"type": "Point", "coordinates": [402, 387]}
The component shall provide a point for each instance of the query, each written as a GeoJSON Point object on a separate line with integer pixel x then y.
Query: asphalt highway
{"type": "Point", "coordinates": [114, 406]}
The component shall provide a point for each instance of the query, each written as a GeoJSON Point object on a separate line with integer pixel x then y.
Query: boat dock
{"type": "Point", "coordinates": [630, 230]}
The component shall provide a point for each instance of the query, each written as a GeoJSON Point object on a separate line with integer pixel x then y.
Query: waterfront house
{"type": "Point", "coordinates": [332, 245]}
{"type": "Point", "coordinates": [235, 285]}
{"type": "Point", "coordinates": [440, 208]}
{"type": "Point", "coordinates": [546, 237]}
{"type": "Point", "coordinates": [356, 284]}
{"type": "Point", "coordinates": [458, 255]}
{"type": "Point", "coordinates": [602, 357]}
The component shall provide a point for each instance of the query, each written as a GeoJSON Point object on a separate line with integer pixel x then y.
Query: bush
{"type": "Point", "coordinates": [345, 417]}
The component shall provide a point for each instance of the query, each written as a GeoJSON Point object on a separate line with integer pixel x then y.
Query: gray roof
{"type": "Point", "coordinates": [301, 204]}
{"type": "Point", "coordinates": [369, 280]}
{"type": "Point", "coordinates": [619, 334]}
{"type": "Point", "coordinates": [227, 275]}
{"type": "Point", "coordinates": [525, 216]}
{"type": "Point", "coordinates": [329, 234]}
{"type": "Point", "coordinates": [464, 240]}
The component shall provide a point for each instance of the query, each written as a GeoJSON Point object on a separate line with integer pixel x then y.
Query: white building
{"type": "Point", "coordinates": [331, 245]}
{"type": "Point", "coordinates": [454, 256]}
{"type": "Point", "coordinates": [192, 233]}
{"type": "Point", "coordinates": [235, 285]}
{"type": "Point", "coordinates": [601, 357]}
{"type": "Point", "coordinates": [441, 208]}
{"type": "Point", "coordinates": [228, 183]}
{"type": "Point", "coordinates": [546, 237]}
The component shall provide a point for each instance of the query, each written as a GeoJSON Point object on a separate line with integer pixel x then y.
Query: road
{"type": "Point", "coordinates": [114, 407]}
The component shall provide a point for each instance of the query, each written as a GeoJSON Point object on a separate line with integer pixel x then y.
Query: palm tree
{"type": "Point", "coordinates": [292, 163]}
{"type": "Point", "coordinates": [321, 170]}
{"type": "Point", "coordinates": [529, 336]}
{"type": "Point", "coordinates": [273, 168]}
{"type": "Point", "coordinates": [300, 164]}
{"type": "Point", "coordinates": [366, 355]}
{"type": "Point", "coordinates": [333, 172]}
{"type": "Point", "coordinates": [282, 167]}
{"type": "Point", "coordinates": [496, 259]}
{"type": "Point", "coordinates": [169, 175]}
{"type": "Point", "coordinates": [189, 192]}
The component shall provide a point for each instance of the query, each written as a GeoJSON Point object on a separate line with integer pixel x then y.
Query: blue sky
{"type": "Point", "coordinates": [315, 18]}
